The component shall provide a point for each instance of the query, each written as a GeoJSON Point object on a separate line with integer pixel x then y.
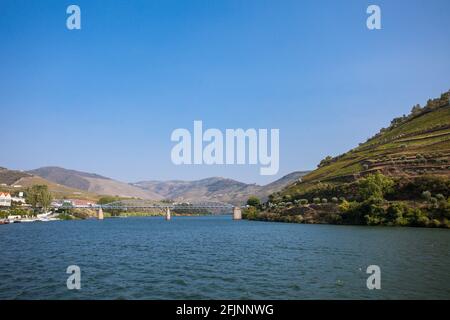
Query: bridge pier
{"type": "Point", "coordinates": [168, 215]}
{"type": "Point", "coordinates": [100, 214]}
{"type": "Point", "coordinates": [237, 214]}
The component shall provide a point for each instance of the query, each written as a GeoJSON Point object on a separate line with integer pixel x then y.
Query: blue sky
{"type": "Point", "coordinates": [106, 98]}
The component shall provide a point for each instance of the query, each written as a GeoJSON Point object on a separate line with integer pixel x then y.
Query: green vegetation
{"type": "Point", "coordinates": [38, 196]}
{"type": "Point", "coordinates": [65, 216]}
{"type": "Point", "coordinates": [254, 201]}
{"type": "Point", "coordinates": [374, 186]}
{"type": "Point", "coordinates": [400, 176]}
{"type": "Point", "coordinates": [108, 199]}
{"type": "Point", "coordinates": [369, 206]}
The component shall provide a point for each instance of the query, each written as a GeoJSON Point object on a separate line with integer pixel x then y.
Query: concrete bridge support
{"type": "Point", "coordinates": [100, 214]}
{"type": "Point", "coordinates": [237, 214]}
{"type": "Point", "coordinates": [168, 215]}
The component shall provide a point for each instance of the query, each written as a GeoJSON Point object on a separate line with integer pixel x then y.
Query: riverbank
{"type": "Point", "coordinates": [370, 213]}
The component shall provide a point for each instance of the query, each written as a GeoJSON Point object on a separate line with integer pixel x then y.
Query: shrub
{"type": "Point", "coordinates": [303, 202]}
{"type": "Point", "coordinates": [250, 213]}
{"type": "Point", "coordinates": [334, 200]}
{"type": "Point", "coordinates": [426, 195]}
{"type": "Point", "coordinates": [373, 220]}
{"type": "Point", "coordinates": [417, 218]}
{"type": "Point", "coordinates": [446, 223]}
{"type": "Point", "coordinates": [316, 200]}
{"type": "Point", "coordinates": [344, 206]}
{"type": "Point", "coordinates": [395, 211]}
{"type": "Point", "coordinates": [435, 223]}
{"type": "Point", "coordinates": [324, 200]}
{"type": "Point", "coordinates": [433, 200]}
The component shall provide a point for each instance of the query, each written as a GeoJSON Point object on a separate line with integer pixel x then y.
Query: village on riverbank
{"type": "Point", "coordinates": [18, 208]}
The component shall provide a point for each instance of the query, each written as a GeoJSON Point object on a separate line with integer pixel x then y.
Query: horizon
{"type": "Point", "coordinates": [106, 98]}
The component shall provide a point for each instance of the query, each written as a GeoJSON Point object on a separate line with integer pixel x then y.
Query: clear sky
{"type": "Point", "coordinates": [106, 98]}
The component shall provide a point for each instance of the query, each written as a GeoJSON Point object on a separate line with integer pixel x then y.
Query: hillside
{"type": "Point", "coordinates": [412, 146]}
{"type": "Point", "coordinates": [216, 189]}
{"type": "Point", "coordinates": [9, 177]}
{"type": "Point", "coordinates": [14, 181]}
{"type": "Point", "coordinates": [399, 177]}
{"type": "Point", "coordinates": [92, 183]}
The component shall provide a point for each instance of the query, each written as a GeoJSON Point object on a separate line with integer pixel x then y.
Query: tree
{"type": "Point", "coordinates": [416, 109]}
{"type": "Point", "coordinates": [325, 161]}
{"type": "Point", "coordinates": [38, 196]}
{"type": "Point", "coordinates": [253, 201]}
{"type": "Point", "coordinates": [375, 186]}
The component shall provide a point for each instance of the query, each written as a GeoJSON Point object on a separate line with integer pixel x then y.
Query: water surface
{"type": "Point", "coordinates": [218, 258]}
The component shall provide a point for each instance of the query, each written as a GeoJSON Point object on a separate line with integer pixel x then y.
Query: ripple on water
{"type": "Point", "coordinates": [217, 258]}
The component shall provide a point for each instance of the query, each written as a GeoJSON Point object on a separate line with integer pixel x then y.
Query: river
{"type": "Point", "coordinates": [214, 257]}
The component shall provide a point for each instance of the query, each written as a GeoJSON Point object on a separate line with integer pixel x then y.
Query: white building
{"type": "Point", "coordinates": [20, 200]}
{"type": "Point", "coordinates": [5, 199]}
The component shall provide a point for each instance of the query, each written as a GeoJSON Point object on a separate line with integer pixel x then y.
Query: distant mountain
{"type": "Point", "coordinates": [216, 188]}
{"type": "Point", "coordinates": [92, 183]}
{"type": "Point", "coordinates": [210, 189]}
{"type": "Point", "coordinates": [69, 178]}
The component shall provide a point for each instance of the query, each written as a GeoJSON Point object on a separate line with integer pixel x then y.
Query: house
{"type": "Point", "coordinates": [82, 203]}
{"type": "Point", "coordinates": [5, 199]}
{"type": "Point", "coordinates": [77, 203]}
{"type": "Point", "coordinates": [19, 200]}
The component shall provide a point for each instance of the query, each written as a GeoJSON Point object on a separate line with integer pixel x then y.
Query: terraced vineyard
{"type": "Point", "coordinates": [413, 145]}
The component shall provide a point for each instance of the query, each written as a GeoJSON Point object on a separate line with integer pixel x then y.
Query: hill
{"type": "Point", "coordinates": [400, 176]}
{"type": "Point", "coordinates": [216, 189]}
{"type": "Point", "coordinates": [210, 189]}
{"type": "Point", "coordinates": [9, 177]}
{"type": "Point", "coordinates": [92, 183]}
{"type": "Point", "coordinates": [14, 181]}
{"type": "Point", "coordinates": [412, 146]}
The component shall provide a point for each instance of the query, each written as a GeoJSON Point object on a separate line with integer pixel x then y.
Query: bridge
{"type": "Point", "coordinates": [167, 207]}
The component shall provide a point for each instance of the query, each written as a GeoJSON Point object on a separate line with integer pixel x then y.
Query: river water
{"type": "Point", "coordinates": [215, 257]}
